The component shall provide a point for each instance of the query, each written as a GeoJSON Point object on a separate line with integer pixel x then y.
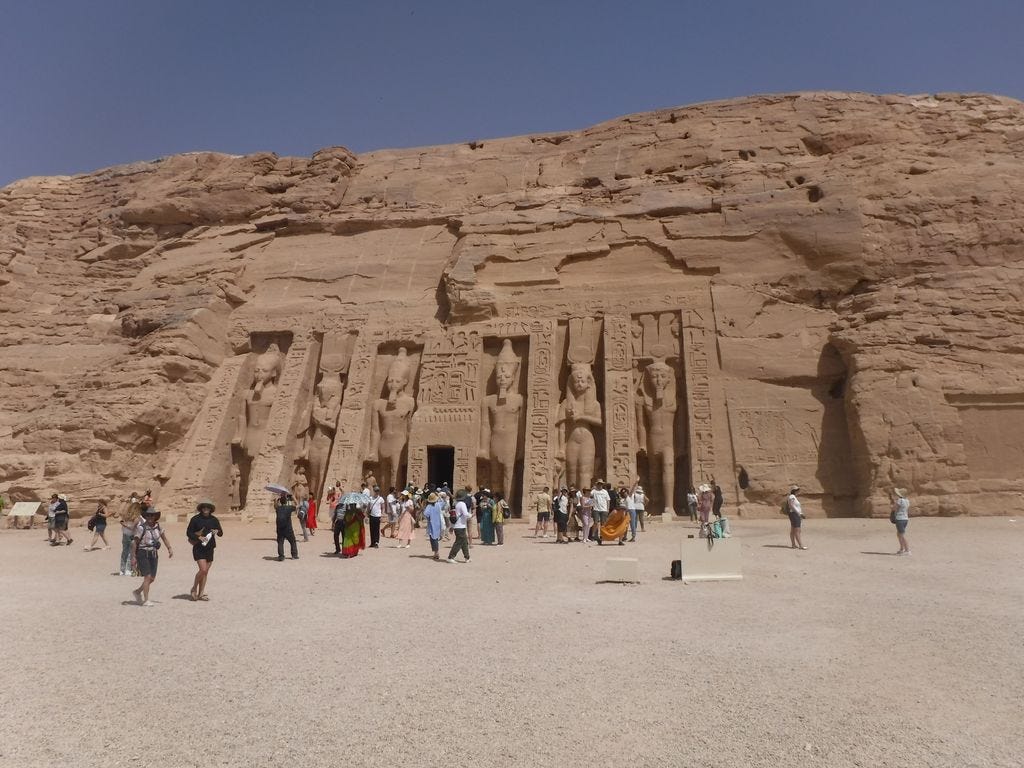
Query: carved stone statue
{"type": "Point", "coordinates": [656, 426]}
{"type": "Point", "coordinates": [322, 424]}
{"type": "Point", "coordinates": [389, 427]}
{"type": "Point", "coordinates": [300, 484]}
{"type": "Point", "coordinates": [578, 415]}
{"type": "Point", "coordinates": [499, 425]}
{"type": "Point", "coordinates": [252, 425]}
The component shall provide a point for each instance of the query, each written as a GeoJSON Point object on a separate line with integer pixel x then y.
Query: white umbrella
{"type": "Point", "coordinates": [277, 488]}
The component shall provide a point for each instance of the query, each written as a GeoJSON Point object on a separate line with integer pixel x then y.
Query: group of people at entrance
{"type": "Point", "coordinates": [598, 514]}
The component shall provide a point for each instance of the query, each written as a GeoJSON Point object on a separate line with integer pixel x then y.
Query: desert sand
{"type": "Point", "coordinates": [843, 655]}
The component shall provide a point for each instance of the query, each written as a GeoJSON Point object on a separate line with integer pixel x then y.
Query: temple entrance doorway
{"type": "Point", "coordinates": [440, 465]}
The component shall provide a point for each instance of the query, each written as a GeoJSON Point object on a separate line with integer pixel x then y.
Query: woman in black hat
{"type": "Point", "coordinates": [202, 531]}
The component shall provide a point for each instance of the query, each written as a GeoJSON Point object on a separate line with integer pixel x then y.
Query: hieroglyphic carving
{"type": "Point", "coordinates": [450, 369]}
{"type": "Point", "coordinates": [345, 464]}
{"type": "Point", "coordinates": [191, 478]}
{"type": "Point", "coordinates": [416, 471]}
{"type": "Point", "coordinates": [464, 474]}
{"type": "Point", "coordinates": [618, 382]}
{"type": "Point", "coordinates": [696, 369]}
{"type": "Point", "coordinates": [269, 466]}
{"type": "Point", "coordinates": [776, 436]}
{"type": "Point", "coordinates": [540, 416]}
{"type": "Point", "coordinates": [448, 412]}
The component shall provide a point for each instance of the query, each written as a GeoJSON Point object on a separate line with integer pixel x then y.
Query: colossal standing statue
{"type": "Point", "coordinates": [579, 414]}
{"type": "Point", "coordinates": [499, 425]}
{"type": "Point", "coordinates": [389, 426]}
{"type": "Point", "coordinates": [252, 423]}
{"type": "Point", "coordinates": [322, 424]}
{"type": "Point", "coordinates": [656, 426]}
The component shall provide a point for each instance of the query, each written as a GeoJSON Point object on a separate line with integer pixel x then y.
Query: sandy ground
{"type": "Point", "coordinates": [843, 655]}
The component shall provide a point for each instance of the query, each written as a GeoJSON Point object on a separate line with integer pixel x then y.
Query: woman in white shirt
{"type": "Point", "coordinates": [901, 517]}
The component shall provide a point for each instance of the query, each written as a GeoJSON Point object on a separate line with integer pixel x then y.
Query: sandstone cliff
{"type": "Point", "coordinates": [864, 256]}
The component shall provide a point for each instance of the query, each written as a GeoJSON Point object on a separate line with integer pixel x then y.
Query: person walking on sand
{"type": "Point", "coordinates": [901, 518]}
{"type": "Point", "coordinates": [393, 509]}
{"type": "Point", "coordinates": [705, 501]}
{"type": "Point", "coordinates": [460, 519]}
{"type": "Point", "coordinates": [562, 517]}
{"type": "Point", "coordinates": [283, 512]}
{"type": "Point", "coordinates": [302, 513]}
{"type": "Point", "coordinates": [542, 504]}
{"type": "Point", "coordinates": [51, 516]}
{"type": "Point", "coordinates": [146, 541]}
{"type": "Point", "coordinates": [691, 504]}
{"type": "Point", "coordinates": [376, 513]}
{"type": "Point", "coordinates": [129, 519]}
{"type": "Point", "coordinates": [311, 516]}
{"type": "Point", "coordinates": [61, 518]}
{"type": "Point", "coordinates": [500, 513]}
{"type": "Point", "coordinates": [586, 507]}
{"type": "Point", "coordinates": [433, 515]}
{"type": "Point", "coordinates": [99, 526]}
{"type": "Point", "coordinates": [202, 531]}
{"type": "Point", "coordinates": [406, 520]}
{"type": "Point", "coordinates": [796, 517]}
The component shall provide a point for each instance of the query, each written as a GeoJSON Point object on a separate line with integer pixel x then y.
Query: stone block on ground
{"type": "Point", "coordinates": [711, 560]}
{"type": "Point", "coordinates": [624, 569]}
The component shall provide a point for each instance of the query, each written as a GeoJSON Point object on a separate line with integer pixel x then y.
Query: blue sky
{"type": "Point", "coordinates": [84, 85]}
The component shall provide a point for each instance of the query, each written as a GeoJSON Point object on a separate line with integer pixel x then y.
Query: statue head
{"type": "Point", "coordinates": [506, 370]}
{"type": "Point", "coordinates": [268, 368]}
{"type": "Point", "coordinates": [581, 379]}
{"type": "Point", "coordinates": [398, 375]}
{"type": "Point", "coordinates": [661, 378]}
{"type": "Point", "coordinates": [328, 388]}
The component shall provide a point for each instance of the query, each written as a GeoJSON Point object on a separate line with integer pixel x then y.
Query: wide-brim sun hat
{"type": "Point", "coordinates": [432, 498]}
{"type": "Point", "coordinates": [206, 503]}
{"type": "Point", "coordinates": [794, 488]}
{"type": "Point", "coordinates": [704, 488]}
{"type": "Point", "coordinates": [150, 512]}
{"type": "Point", "coordinates": [901, 492]}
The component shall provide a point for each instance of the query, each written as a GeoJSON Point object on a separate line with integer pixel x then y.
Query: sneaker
{"type": "Point", "coordinates": [803, 547]}
{"type": "Point", "coordinates": [137, 595]}
{"type": "Point", "coordinates": [280, 558]}
{"type": "Point", "coordinates": [148, 604]}
{"type": "Point", "coordinates": [295, 557]}
{"type": "Point", "coordinates": [452, 560]}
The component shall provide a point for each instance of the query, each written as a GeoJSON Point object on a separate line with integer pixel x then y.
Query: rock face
{"type": "Point", "coordinates": [814, 288]}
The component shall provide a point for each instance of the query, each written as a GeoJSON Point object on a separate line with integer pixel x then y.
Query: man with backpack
{"type": "Point", "coordinates": [459, 517]}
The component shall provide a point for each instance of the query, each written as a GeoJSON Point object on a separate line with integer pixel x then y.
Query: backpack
{"type": "Point", "coordinates": [784, 510]}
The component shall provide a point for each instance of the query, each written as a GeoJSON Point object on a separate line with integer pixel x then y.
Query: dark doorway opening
{"type": "Point", "coordinates": [440, 465]}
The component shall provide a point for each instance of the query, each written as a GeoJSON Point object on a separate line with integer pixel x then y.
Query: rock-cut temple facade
{"type": "Point", "coordinates": [819, 289]}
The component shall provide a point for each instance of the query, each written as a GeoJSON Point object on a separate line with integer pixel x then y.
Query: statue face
{"type": "Point", "coordinates": [660, 377]}
{"type": "Point", "coordinates": [579, 380]}
{"type": "Point", "coordinates": [396, 384]}
{"type": "Point", "coordinates": [266, 370]}
{"type": "Point", "coordinates": [504, 374]}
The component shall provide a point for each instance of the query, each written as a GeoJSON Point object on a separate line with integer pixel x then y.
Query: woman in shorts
{"type": "Point", "coordinates": [146, 543]}
{"type": "Point", "coordinates": [796, 516]}
{"type": "Point", "coordinates": [900, 518]}
{"type": "Point", "coordinates": [202, 533]}
{"type": "Point", "coordinates": [99, 526]}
